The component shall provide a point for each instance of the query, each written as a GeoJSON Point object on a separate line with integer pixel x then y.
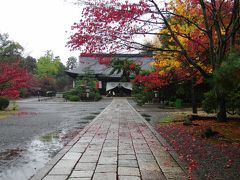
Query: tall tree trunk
{"type": "Point", "coordinates": [221, 107]}
{"type": "Point", "coordinates": [193, 98]}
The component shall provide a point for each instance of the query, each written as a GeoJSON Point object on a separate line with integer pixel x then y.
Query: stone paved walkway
{"type": "Point", "coordinates": [117, 144]}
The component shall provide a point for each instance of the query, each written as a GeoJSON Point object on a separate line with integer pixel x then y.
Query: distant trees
{"type": "Point", "coordinates": [47, 65]}
{"type": "Point", "coordinates": [30, 64]}
{"type": "Point", "coordinates": [10, 51]}
{"type": "Point", "coordinates": [50, 71]}
{"type": "Point", "coordinates": [22, 76]}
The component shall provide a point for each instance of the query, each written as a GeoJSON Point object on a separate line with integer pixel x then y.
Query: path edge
{"type": "Point", "coordinates": [172, 152]}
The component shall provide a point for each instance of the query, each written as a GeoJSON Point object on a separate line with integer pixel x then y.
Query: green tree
{"type": "Point", "coordinates": [30, 64]}
{"type": "Point", "coordinates": [10, 51]}
{"type": "Point", "coordinates": [126, 67]}
{"type": "Point", "coordinates": [71, 63]}
{"type": "Point", "coordinates": [63, 81]}
{"type": "Point", "coordinates": [51, 71]}
{"type": "Point", "coordinates": [227, 77]}
{"type": "Point", "coordinates": [47, 65]}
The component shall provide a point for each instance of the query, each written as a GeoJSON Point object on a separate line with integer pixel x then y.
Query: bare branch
{"type": "Point", "coordinates": [189, 21]}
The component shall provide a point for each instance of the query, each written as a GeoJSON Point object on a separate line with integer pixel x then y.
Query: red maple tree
{"type": "Point", "coordinates": [12, 79]}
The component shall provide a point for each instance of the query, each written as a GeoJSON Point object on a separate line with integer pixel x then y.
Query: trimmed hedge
{"type": "Point", "coordinates": [4, 103]}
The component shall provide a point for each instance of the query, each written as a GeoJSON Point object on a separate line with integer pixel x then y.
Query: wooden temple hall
{"type": "Point", "coordinates": [109, 84]}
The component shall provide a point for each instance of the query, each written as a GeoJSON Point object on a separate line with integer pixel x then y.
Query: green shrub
{"type": "Point", "coordinates": [97, 96]}
{"type": "Point", "coordinates": [70, 93]}
{"type": "Point", "coordinates": [171, 104]}
{"type": "Point", "coordinates": [178, 103]}
{"type": "Point", "coordinates": [24, 93]}
{"type": "Point", "coordinates": [84, 84]}
{"type": "Point", "coordinates": [4, 103]}
{"type": "Point", "coordinates": [73, 98]}
{"type": "Point", "coordinates": [209, 104]}
{"type": "Point", "coordinates": [140, 96]}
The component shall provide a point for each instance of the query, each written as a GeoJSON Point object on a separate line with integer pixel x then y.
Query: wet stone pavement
{"type": "Point", "coordinates": [39, 131]}
{"type": "Point", "coordinates": [117, 144]}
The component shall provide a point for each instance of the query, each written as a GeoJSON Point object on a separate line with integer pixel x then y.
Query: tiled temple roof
{"type": "Point", "coordinates": [91, 64]}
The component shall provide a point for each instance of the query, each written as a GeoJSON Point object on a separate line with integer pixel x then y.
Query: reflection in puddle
{"type": "Point", "coordinates": [22, 164]}
{"type": "Point", "coordinates": [50, 137]}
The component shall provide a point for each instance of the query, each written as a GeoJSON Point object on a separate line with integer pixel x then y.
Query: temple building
{"type": "Point", "coordinates": [97, 64]}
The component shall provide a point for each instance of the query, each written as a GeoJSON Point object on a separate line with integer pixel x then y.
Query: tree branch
{"type": "Point", "coordinates": [173, 35]}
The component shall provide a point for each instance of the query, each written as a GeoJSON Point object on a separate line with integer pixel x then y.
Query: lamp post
{"type": "Point", "coordinates": [38, 93]}
{"type": "Point", "coordinates": [87, 91]}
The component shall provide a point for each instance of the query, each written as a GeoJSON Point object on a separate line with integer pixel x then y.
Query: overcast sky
{"type": "Point", "coordinates": [39, 25]}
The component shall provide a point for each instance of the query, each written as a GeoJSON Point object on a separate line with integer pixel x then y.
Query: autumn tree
{"type": "Point", "coordinates": [12, 79]}
{"type": "Point", "coordinates": [117, 25]}
{"type": "Point", "coordinates": [175, 61]}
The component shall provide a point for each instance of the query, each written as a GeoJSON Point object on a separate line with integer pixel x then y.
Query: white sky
{"type": "Point", "coordinates": [40, 25]}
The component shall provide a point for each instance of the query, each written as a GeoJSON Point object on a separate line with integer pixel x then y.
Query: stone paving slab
{"type": "Point", "coordinates": [117, 144]}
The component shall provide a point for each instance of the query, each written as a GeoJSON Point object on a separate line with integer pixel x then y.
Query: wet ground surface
{"type": "Point", "coordinates": [31, 138]}
{"type": "Point", "coordinates": [151, 112]}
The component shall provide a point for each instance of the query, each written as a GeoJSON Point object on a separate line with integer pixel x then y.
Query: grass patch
{"type": "Point", "coordinates": [7, 113]}
{"type": "Point", "coordinates": [180, 116]}
{"type": "Point", "coordinates": [166, 119]}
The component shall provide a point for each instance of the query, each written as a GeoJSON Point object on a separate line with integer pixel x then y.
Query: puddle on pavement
{"type": "Point", "coordinates": [147, 117]}
{"type": "Point", "coordinates": [95, 113]}
{"type": "Point", "coordinates": [23, 163]}
{"type": "Point", "coordinates": [83, 122]}
{"type": "Point", "coordinates": [89, 117]}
